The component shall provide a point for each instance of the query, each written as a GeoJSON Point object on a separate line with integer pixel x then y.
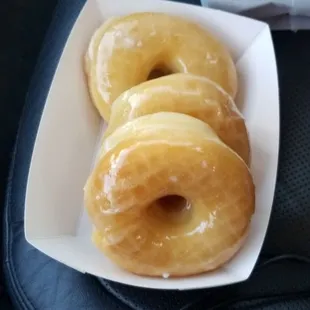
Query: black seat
{"type": "Point", "coordinates": [37, 282]}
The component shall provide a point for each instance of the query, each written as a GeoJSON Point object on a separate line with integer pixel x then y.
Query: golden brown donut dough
{"type": "Point", "coordinates": [157, 156]}
{"type": "Point", "coordinates": [125, 50]}
{"type": "Point", "coordinates": [189, 94]}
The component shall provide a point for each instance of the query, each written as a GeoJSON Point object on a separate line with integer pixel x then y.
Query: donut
{"type": "Point", "coordinates": [91, 53]}
{"type": "Point", "coordinates": [168, 197]}
{"type": "Point", "coordinates": [189, 94]}
{"type": "Point", "coordinates": [125, 51]}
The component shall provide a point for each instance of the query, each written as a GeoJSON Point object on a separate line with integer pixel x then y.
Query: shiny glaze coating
{"type": "Point", "coordinates": [155, 156]}
{"type": "Point", "coordinates": [189, 94]}
{"type": "Point", "coordinates": [125, 50]}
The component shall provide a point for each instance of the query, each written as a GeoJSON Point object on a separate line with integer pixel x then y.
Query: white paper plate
{"type": "Point", "coordinates": [55, 221]}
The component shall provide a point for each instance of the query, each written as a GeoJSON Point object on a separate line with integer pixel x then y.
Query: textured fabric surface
{"type": "Point", "coordinates": [20, 43]}
{"type": "Point", "coordinates": [21, 39]}
{"type": "Point", "coordinates": [37, 282]}
{"type": "Point", "coordinates": [289, 226]}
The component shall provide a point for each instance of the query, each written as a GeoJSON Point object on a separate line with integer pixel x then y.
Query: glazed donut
{"type": "Point", "coordinates": [124, 51]}
{"type": "Point", "coordinates": [189, 94]}
{"type": "Point", "coordinates": [168, 197]}
{"type": "Point", "coordinates": [91, 53]}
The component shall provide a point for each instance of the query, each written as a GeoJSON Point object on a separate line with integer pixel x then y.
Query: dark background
{"type": "Point", "coordinates": [23, 24]}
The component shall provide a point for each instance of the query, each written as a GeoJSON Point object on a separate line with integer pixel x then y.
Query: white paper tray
{"type": "Point", "coordinates": [55, 220]}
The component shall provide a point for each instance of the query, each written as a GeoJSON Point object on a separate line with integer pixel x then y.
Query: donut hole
{"type": "Point", "coordinates": [173, 209]}
{"type": "Point", "coordinates": [172, 203]}
{"type": "Point", "coordinates": [158, 72]}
